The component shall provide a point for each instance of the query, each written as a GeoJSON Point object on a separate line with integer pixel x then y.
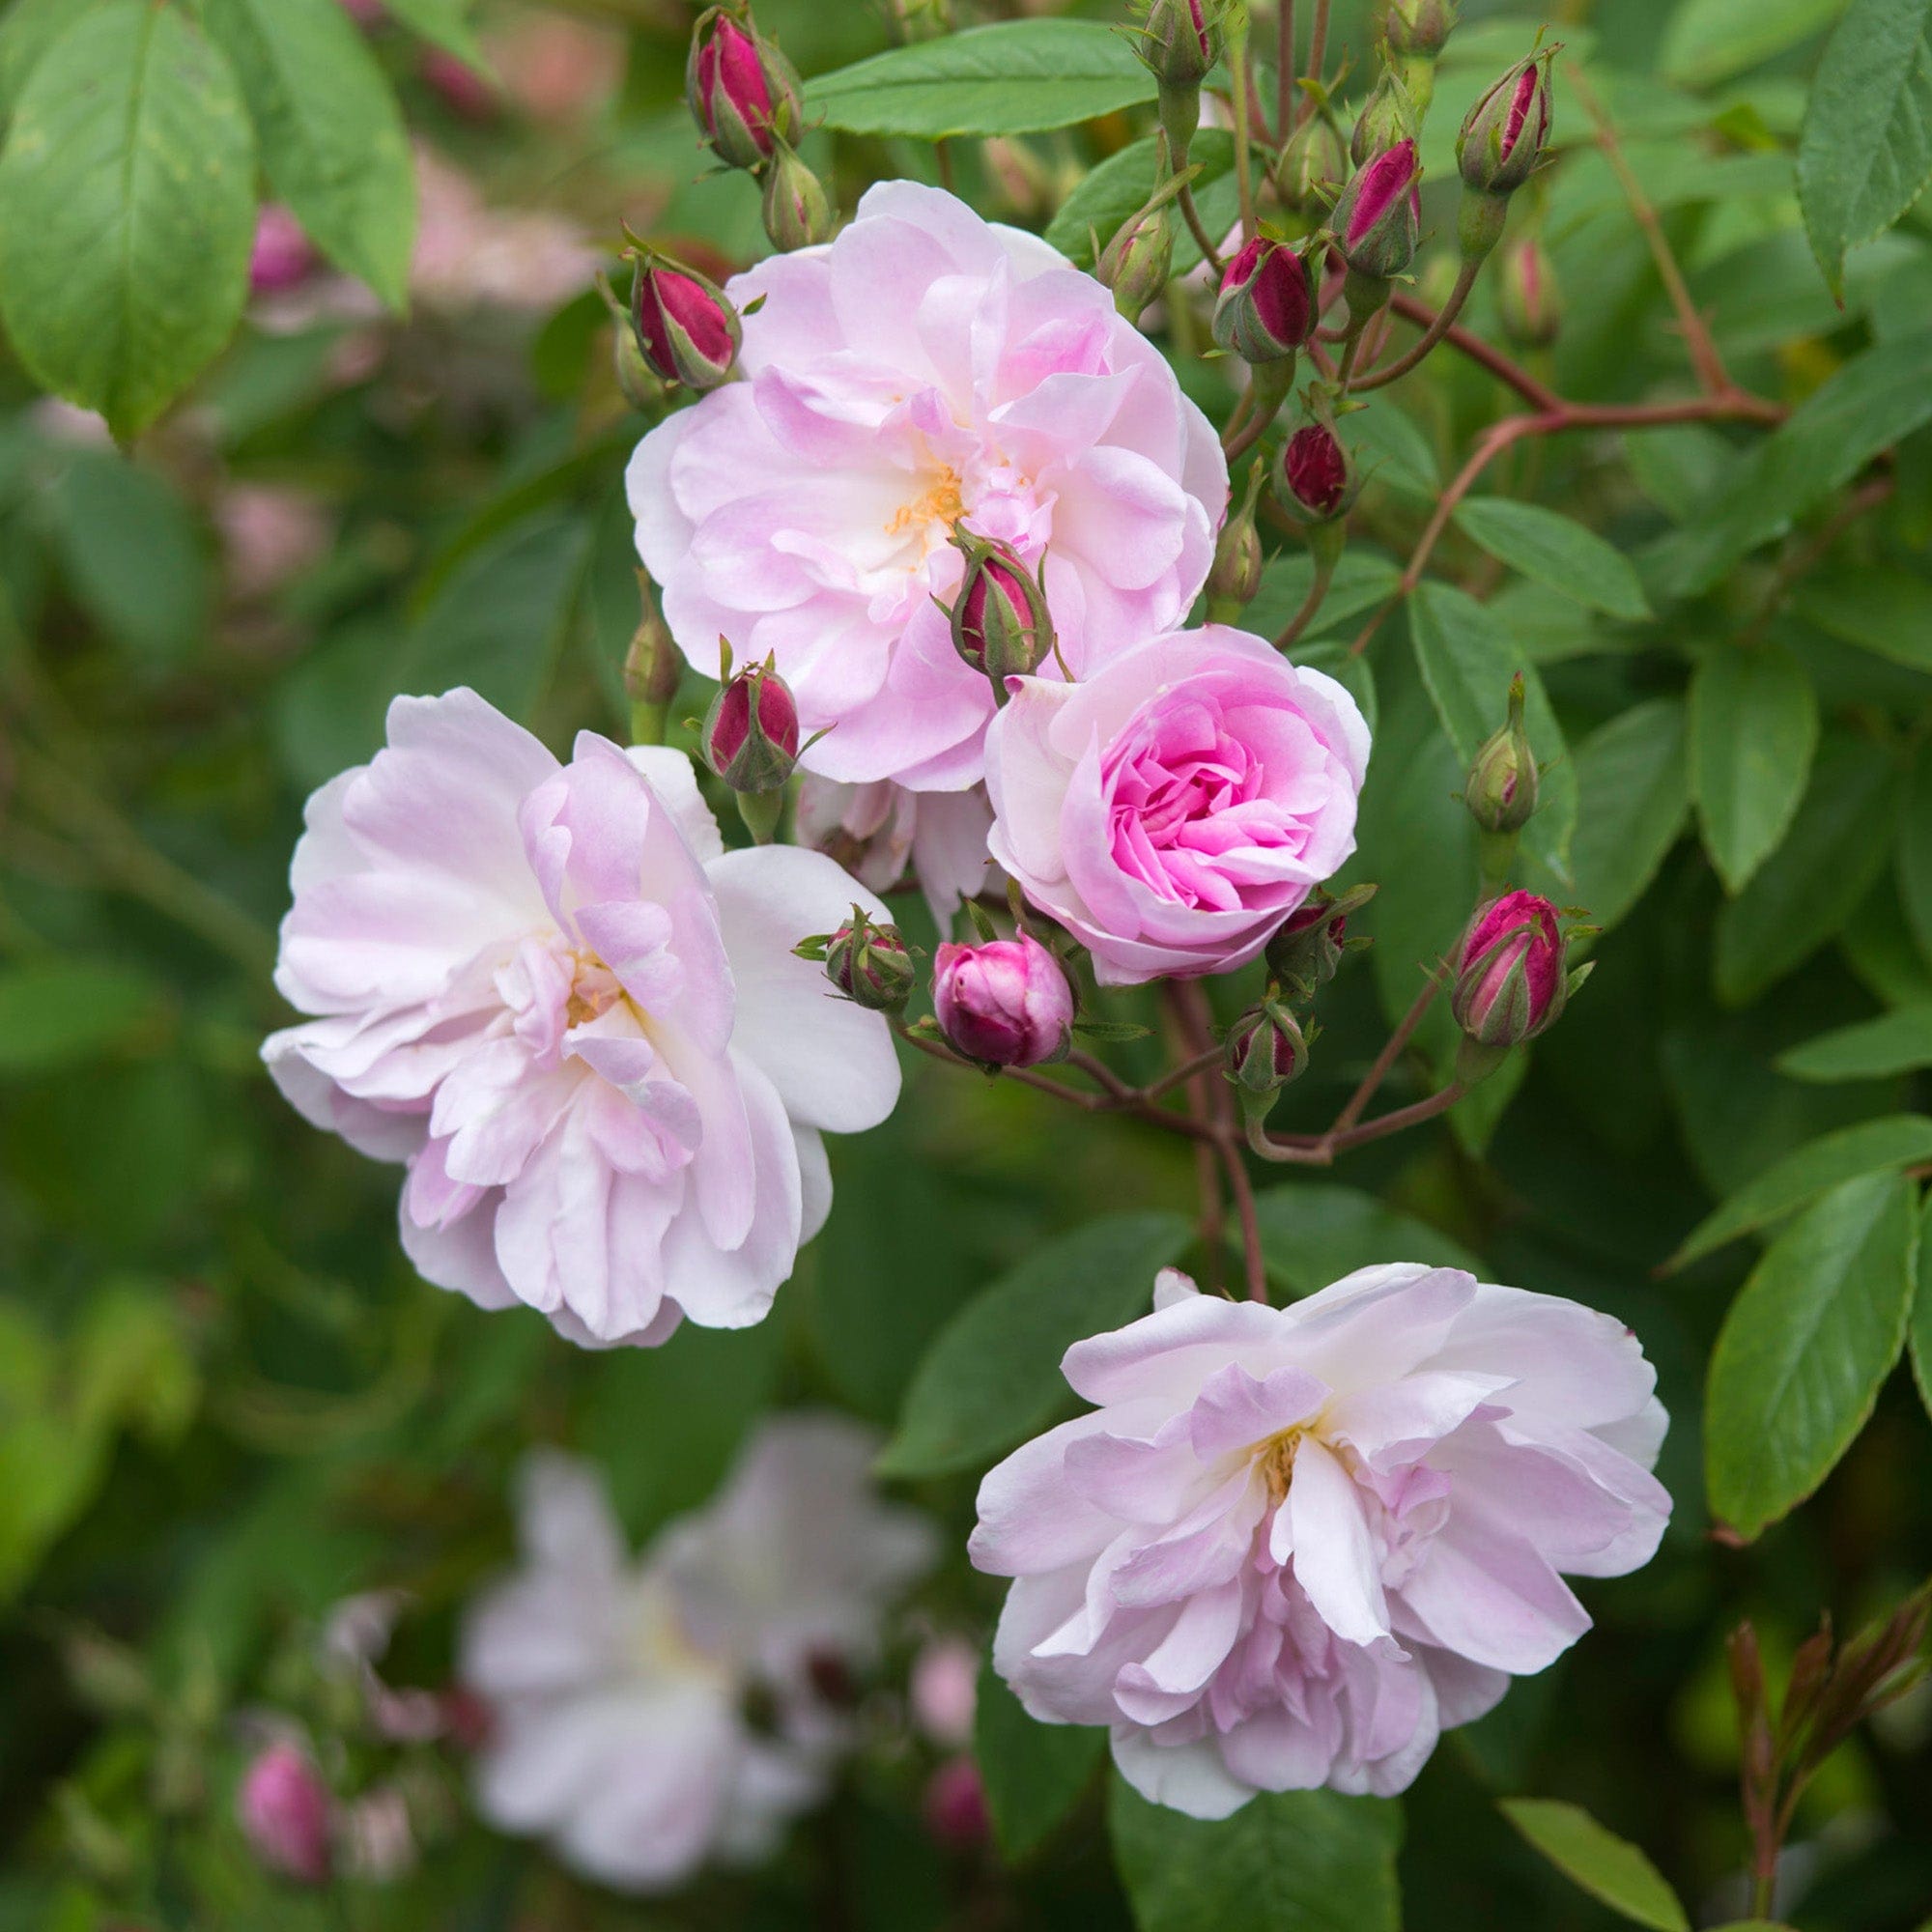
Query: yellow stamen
{"type": "Point", "coordinates": [941, 503]}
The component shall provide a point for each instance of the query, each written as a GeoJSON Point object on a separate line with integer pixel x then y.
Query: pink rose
{"type": "Point", "coordinates": [1291, 1546]}
{"type": "Point", "coordinates": [287, 1815]}
{"type": "Point", "coordinates": [551, 992]}
{"type": "Point", "coordinates": [922, 368]}
{"type": "Point", "coordinates": [1176, 807]}
{"type": "Point", "coordinates": [1005, 1004]}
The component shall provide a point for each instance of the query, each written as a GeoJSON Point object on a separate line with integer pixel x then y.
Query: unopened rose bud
{"type": "Point", "coordinates": [1267, 307]}
{"type": "Point", "coordinates": [1378, 222]}
{"type": "Point", "coordinates": [1313, 166]}
{"type": "Point", "coordinates": [869, 963]}
{"type": "Point", "coordinates": [1007, 1003]}
{"type": "Point", "coordinates": [1180, 40]}
{"type": "Point", "coordinates": [1264, 1050]}
{"type": "Point", "coordinates": [751, 733]}
{"type": "Point", "coordinates": [798, 215]}
{"type": "Point", "coordinates": [287, 1816]}
{"type": "Point", "coordinates": [1502, 784]}
{"type": "Point", "coordinates": [1388, 118]}
{"type": "Point", "coordinates": [1512, 983]}
{"type": "Point", "coordinates": [1504, 134]}
{"type": "Point", "coordinates": [956, 1806]}
{"type": "Point", "coordinates": [1314, 480]}
{"type": "Point", "coordinates": [653, 669]}
{"type": "Point", "coordinates": [1308, 949]}
{"type": "Point", "coordinates": [1528, 296]}
{"type": "Point", "coordinates": [1137, 262]}
{"type": "Point", "coordinates": [686, 326]}
{"type": "Point", "coordinates": [1418, 26]}
{"type": "Point", "coordinates": [1000, 624]}
{"type": "Point", "coordinates": [1235, 579]}
{"type": "Point", "coordinates": [742, 91]}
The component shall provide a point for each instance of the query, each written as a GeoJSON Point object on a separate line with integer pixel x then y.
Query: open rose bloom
{"type": "Point", "coordinates": [924, 368]}
{"type": "Point", "coordinates": [1290, 1547]}
{"type": "Point", "coordinates": [551, 992]}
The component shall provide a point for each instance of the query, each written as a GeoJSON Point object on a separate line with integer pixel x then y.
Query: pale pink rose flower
{"type": "Point", "coordinates": [1173, 808]}
{"type": "Point", "coordinates": [1291, 1546]}
{"type": "Point", "coordinates": [552, 993]}
{"type": "Point", "coordinates": [879, 832]}
{"type": "Point", "coordinates": [922, 368]}
{"type": "Point", "coordinates": [617, 1687]}
{"type": "Point", "coordinates": [287, 1815]}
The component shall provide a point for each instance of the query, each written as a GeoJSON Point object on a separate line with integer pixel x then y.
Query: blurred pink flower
{"type": "Point", "coordinates": [924, 368]}
{"type": "Point", "coordinates": [556, 69]}
{"type": "Point", "coordinates": [284, 257]}
{"type": "Point", "coordinates": [458, 84]}
{"type": "Point", "coordinates": [1172, 810]}
{"type": "Point", "coordinates": [469, 255]}
{"type": "Point", "coordinates": [551, 992]}
{"type": "Point", "coordinates": [286, 1813]}
{"type": "Point", "coordinates": [956, 1806]}
{"type": "Point", "coordinates": [945, 1690]}
{"type": "Point", "coordinates": [1291, 1546]}
{"type": "Point", "coordinates": [269, 534]}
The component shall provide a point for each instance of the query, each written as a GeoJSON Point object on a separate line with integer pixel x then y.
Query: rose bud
{"type": "Point", "coordinates": [751, 733]}
{"type": "Point", "coordinates": [1007, 1003]}
{"type": "Point", "coordinates": [1388, 118]}
{"type": "Point", "coordinates": [870, 964]}
{"type": "Point", "coordinates": [1313, 166]}
{"type": "Point", "coordinates": [653, 667]}
{"type": "Point", "coordinates": [687, 328]}
{"type": "Point", "coordinates": [286, 1815]}
{"type": "Point", "coordinates": [1136, 263]}
{"type": "Point", "coordinates": [1418, 26]}
{"type": "Point", "coordinates": [1264, 1050]}
{"type": "Point", "coordinates": [956, 1806]}
{"type": "Point", "coordinates": [1267, 307]}
{"type": "Point", "coordinates": [743, 92]}
{"type": "Point", "coordinates": [1511, 982]}
{"type": "Point", "coordinates": [1501, 788]}
{"type": "Point", "coordinates": [1001, 623]}
{"type": "Point", "coordinates": [1235, 579]}
{"type": "Point", "coordinates": [1314, 480]}
{"type": "Point", "coordinates": [797, 211]}
{"type": "Point", "coordinates": [1306, 954]}
{"type": "Point", "coordinates": [1377, 221]}
{"type": "Point", "coordinates": [1503, 135]}
{"type": "Point", "coordinates": [1527, 295]}
{"type": "Point", "coordinates": [1180, 40]}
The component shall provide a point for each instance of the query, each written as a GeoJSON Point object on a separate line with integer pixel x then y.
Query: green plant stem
{"type": "Point", "coordinates": [1318, 55]}
{"type": "Point", "coordinates": [1318, 591]}
{"type": "Point", "coordinates": [1196, 227]}
{"type": "Point", "coordinates": [1284, 70]}
{"type": "Point", "coordinates": [1466, 280]}
{"type": "Point", "coordinates": [1237, 67]}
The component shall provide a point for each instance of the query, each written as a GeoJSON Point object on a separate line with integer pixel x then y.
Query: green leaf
{"type": "Point", "coordinates": [1285, 1862]}
{"type": "Point", "coordinates": [1870, 1147]}
{"type": "Point", "coordinates": [1865, 152]}
{"type": "Point", "coordinates": [1868, 1050]}
{"type": "Point", "coordinates": [1754, 730]}
{"type": "Point", "coordinates": [992, 1375]}
{"type": "Point", "coordinates": [126, 212]}
{"type": "Point", "coordinates": [1870, 404]}
{"type": "Point", "coordinates": [332, 134]}
{"type": "Point", "coordinates": [1363, 579]}
{"type": "Point", "coordinates": [1919, 1335]}
{"type": "Point", "coordinates": [30, 28]}
{"type": "Point", "coordinates": [1017, 77]}
{"type": "Point", "coordinates": [64, 1013]}
{"type": "Point", "coordinates": [445, 24]}
{"type": "Point", "coordinates": [1606, 1866]}
{"type": "Point", "coordinates": [1914, 849]}
{"type": "Point", "coordinates": [1392, 449]}
{"type": "Point", "coordinates": [1034, 1773]}
{"type": "Point", "coordinates": [1556, 551]}
{"type": "Point", "coordinates": [1886, 611]}
{"type": "Point", "coordinates": [1314, 1231]}
{"type": "Point", "coordinates": [1801, 1354]}
{"type": "Point", "coordinates": [1711, 40]}
{"type": "Point", "coordinates": [1812, 884]}
{"type": "Point", "coordinates": [1467, 662]}
{"type": "Point", "coordinates": [1633, 797]}
{"type": "Point", "coordinates": [1121, 185]}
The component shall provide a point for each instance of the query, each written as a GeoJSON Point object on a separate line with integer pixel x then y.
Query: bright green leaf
{"type": "Point", "coordinates": [28, 30]}
{"type": "Point", "coordinates": [992, 1376]}
{"type": "Point", "coordinates": [1314, 1231]}
{"type": "Point", "coordinates": [1914, 849]}
{"type": "Point", "coordinates": [1285, 1862]}
{"type": "Point", "coordinates": [1016, 77]}
{"type": "Point", "coordinates": [330, 131]}
{"type": "Point", "coordinates": [1121, 184]}
{"type": "Point", "coordinates": [1887, 611]}
{"type": "Point", "coordinates": [1812, 884]}
{"type": "Point", "coordinates": [1868, 1050]}
{"type": "Point", "coordinates": [1920, 1327]}
{"type": "Point", "coordinates": [1606, 1866]}
{"type": "Point", "coordinates": [62, 1013]}
{"type": "Point", "coordinates": [1711, 40]}
{"type": "Point", "coordinates": [1556, 551]}
{"type": "Point", "coordinates": [1034, 1773]}
{"type": "Point", "coordinates": [1806, 1344]}
{"type": "Point", "coordinates": [1754, 730]}
{"type": "Point", "coordinates": [1867, 149]}
{"type": "Point", "coordinates": [126, 212]}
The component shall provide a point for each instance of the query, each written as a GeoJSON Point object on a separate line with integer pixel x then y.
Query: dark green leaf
{"type": "Point", "coordinates": [1314, 1231]}
{"type": "Point", "coordinates": [1122, 184]}
{"type": "Point", "coordinates": [332, 134]}
{"type": "Point", "coordinates": [1868, 1050]}
{"type": "Point", "coordinates": [1914, 849]}
{"type": "Point", "coordinates": [126, 212]}
{"type": "Point", "coordinates": [62, 1012]}
{"type": "Point", "coordinates": [1285, 1862]}
{"type": "Point", "coordinates": [1391, 449]}
{"type": "Point", "coordinates": [1363, 579]}
{"type": "Point", "coordinates": [1754, 730]}
{"type": "Point", "coordinates": [1920, 1326]}
{"type": "Point", "coordinates": [1887, 611]}
{"type": "Point", "coordinates": [1016, 77]}
{"type": "Point", "coordinates": [1034, 1773]}
{"type": "Point", "coordinates": [992, 1378]}
{"type": "Point", "coordinates": [1556, 551]}
{"type": "Point", "coordinates": [1606, 1866]}
{"type": "Point", "coordinates": [1867, 149]}
{"type": "Point", "coordinates": [1806, 1344]}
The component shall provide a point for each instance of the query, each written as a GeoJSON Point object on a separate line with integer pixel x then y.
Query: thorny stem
{"type": "Point", "coordinates": [1466, 280]}
{"type": "Point", "coordinates": [1253, 419]}
{"type": "Point", "coordinates": [1208, 1156]}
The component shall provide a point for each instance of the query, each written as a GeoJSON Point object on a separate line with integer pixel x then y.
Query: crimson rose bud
{"type": "Point", "coordinates": [1511, 982]}
{"type": "Point", "coordinates": [1267, 307]}
{"type": "Point", "coordinates": [1306, 952]}
{"type": "Point", "coordinates": [869, 963]}
{"type": "Point", "coordinates": [1000, 624]}
{"type": "Point", "coordinates": [1004, 1003]}
{"type": "Point", "coordinates": [1377, 221]}
{"type": "Point", "coordinates": [1528, 296]}
{"type": "Point", "coordinates": [751, 732]}
{"type": "Point", "coordinates": [687, 328]}
{"type": "Point", "coordinates": [1505, 132]}
{"type": "Point", "coordinates": [286, 1815]}
{"type": "Point", "coordinates": [1264, 1050]}
{"type": "Point", "coordinates": [956, 1806]}
{"type": "Point", "coordinates": [1314, 481]}
{"type": "Point", "coordinates": [741, 91]}
{"type": "Point", "coordinates": [1180, 40]}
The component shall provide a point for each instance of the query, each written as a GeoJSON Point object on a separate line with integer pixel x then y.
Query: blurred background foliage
{"type": "Point", "coordinates": [225, 1401]}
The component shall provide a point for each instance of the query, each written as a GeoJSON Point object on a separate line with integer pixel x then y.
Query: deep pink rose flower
{"type": "Point", "coordinates": [1291, 1546]}
{"type": "Point", "coordinates": [1007, 1003]}
{"type": "Point", "coordinates": [1172, 810]}
{"type": "Point", "coordinates": [923, 367]}
{"type": "Point", "coordinates": [552, 993]}
{"type": "Point", "coordinates": [287, 1816]}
